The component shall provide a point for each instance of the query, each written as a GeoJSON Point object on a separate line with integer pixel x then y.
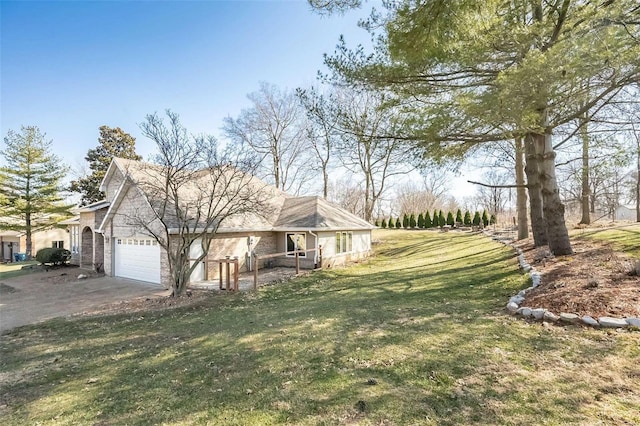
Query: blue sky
{"type": "Point", "coordinates": [70, 67]}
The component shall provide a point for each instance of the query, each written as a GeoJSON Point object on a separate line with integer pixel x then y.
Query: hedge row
{"type": "Point", "coordinates": [438, 220]}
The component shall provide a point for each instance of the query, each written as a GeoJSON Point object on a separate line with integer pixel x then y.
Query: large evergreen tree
{"type": "Point", "coordinates": [470, 72]}
{"type": "Point", "coordinates": [459, 216]}
{"type": "Point", "coordinates": [112, 142]}
{"type": "Point", "coordinates": [31, 184]}
{"type": "Point", "coordinates": [420, 221]}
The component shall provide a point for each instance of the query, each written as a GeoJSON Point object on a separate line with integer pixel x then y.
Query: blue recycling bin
{"type": "Point", "coordinates": [20, 257]}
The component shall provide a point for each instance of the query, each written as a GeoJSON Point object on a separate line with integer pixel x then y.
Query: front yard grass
{"type": "Point", "coordinates": [14, 269]}
{"type": "Point", "coordinates": [417, 335]}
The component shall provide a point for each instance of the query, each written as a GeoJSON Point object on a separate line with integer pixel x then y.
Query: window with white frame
{"type": "Point", "coordinates": [75, 239]}
{"type": "Point", "coordinates": [344, 242]}
{"type": "Point", "coordinates": [57, 244]}
{"type": "Point", "coordinates": [296, 242]}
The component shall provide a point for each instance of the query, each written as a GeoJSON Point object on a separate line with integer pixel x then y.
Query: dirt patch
{"type": "Point", "coordinates": [145, 304]}
{"type": "Point", "coordinates": [53, 275]}
{"type": "Point", "coordinates": [595, 280]}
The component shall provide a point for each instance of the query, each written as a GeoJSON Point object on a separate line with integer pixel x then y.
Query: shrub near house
{"type": "Point", "coordinates": [53, 256]}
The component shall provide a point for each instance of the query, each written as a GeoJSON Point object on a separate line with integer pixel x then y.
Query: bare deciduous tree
{"type": "Point", "coordinates": [193, 188]}
{"type": "Point", "coordinates": [364, 150]}
{"type": "Point", "coordinates": [273, 128]}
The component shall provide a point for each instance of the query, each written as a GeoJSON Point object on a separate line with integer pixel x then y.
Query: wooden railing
{"type": "Point", "coordinates": [296, 255]}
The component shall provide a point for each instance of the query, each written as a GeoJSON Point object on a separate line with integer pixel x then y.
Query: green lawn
{"type": "Point", "coordinates": [417, 335]}
{"type": "Point", "coordinates": [625, 238]}
{"type": "Point", "coordinates": [8, 270]}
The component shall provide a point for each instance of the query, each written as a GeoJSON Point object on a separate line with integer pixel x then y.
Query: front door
{"type": "Point", "coordinates": [195, 251]}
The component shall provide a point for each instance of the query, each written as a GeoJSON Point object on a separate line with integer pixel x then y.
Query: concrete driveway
{"type": "Point", "coordinates": [31, 298]}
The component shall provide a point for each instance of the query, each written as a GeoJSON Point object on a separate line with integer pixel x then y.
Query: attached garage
{"type": "Point", "coordinates": [137, 259]}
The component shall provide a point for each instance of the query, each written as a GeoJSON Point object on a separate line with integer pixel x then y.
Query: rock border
{"type": "Point", "coordinates": [514, 305]}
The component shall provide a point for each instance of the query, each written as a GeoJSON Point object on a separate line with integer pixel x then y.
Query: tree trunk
{"type": "Point", "coordinates": [553, 209]}
{"type": "Point", "coordinates": [521, 192]}
{"type": "Point", "coordinates": [638, 178]}
{"type": "Point", "coordinates": [325, 185]}
{"type": "Point", "coordinates": [538, 225]}
{"type": "Point", "coordinates": [584, 200]}
{"type": "Point", "coordinates": [29, 247]}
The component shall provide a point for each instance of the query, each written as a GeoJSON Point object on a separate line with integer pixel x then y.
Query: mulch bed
{"type": "Point", "coordinates": [595, 280]}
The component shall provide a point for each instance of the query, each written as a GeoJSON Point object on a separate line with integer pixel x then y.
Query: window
{"type": "Point", "coordinates": [75, 241]}
{"type": "Point", "coordinates": [57, 244]}
{"type": "Point", "coordinates": [296, 242]}
{"type": "Point", "coordinates": [344, 242]}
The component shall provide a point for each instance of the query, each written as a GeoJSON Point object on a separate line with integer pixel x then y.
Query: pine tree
{"type": "Point", "coordinates": [458, 216]}
{"type": "Point", "coordinates": [476, 219]}
{"type": "Point", "coordinates": [441, 220]}
{"type": "Point", "coordinates": [450, 220]}
{"type": "Point", "coordinates": [392, 223]}
{"type": "Point", "coordinates": [493, 220]}
{"type": "Point", "coordinates": [467, 218]}
{"type": "Point", "coordinates": [405, 221]}
{"type": "Point", "coordinates": [398, 223]}
{"type": "Point", "coordinates": [485, 218]}
{"type": "Point", "coordinates": [420, 221]}
{"type": "Point", "coordinates": [377, 223]}
{"type": "Point", "coordinates": [412, 221]}
{"type": "Point", "coordinates": [427, 221]}
{"type": "Point", "coordinates": [384, 223]}
{"type": "Point", "coordinates": [112, 142]}
{"type": "Point", "coordinates": [436, 219]}
{"type": "Point", "coordinates": [31, 184]}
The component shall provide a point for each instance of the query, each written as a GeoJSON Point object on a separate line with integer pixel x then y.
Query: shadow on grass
{"type": "Point", "coordinates": [425, 330]}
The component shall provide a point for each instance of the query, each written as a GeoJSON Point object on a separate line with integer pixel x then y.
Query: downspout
{"type": "Point", "coordinates": [315, 257]}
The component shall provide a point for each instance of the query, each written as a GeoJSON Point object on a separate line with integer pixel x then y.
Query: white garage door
{"type": "Point", "coordinates": [138, 259]}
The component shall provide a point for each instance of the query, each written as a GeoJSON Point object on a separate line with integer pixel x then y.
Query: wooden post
{"type": "Point", "coordinates": [220, 264]}
{"type": "Point", "coordinates": [320, 256]}
{"type": "Point", "coordinates": [228, 275]}
{"type": "Point", "coordinates": [297, 263]}
{"type": "Point", "coordinates": [255, 271]}
{"type": "Point", "coordinates": [235, 274]}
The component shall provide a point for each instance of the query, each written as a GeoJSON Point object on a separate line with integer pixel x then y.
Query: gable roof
{"type": "Point", "coordinates": [282, 211]}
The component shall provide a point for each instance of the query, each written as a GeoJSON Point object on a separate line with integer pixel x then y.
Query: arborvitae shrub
{"type": "Point", "coordinates": [398, 223]}
{"type": "Point", "coordinates": [450, 221]}
{"type": "Point", "coordinates": [476, 219]}
{"type": "Point", "coordinates": [420, 221]}
{"type": "Point", "coordinates": [458, 216]}
{"type": "Point", "coordinates": [427, 221]}
{"type": "Point", "coordinates": [493, 219]}
{"type": "Point", "coordinates": [377, 223]}
{"type": "Point", "coordinates": [392, 223]}
{"type": "Point", "coordinates": [412, 221]}
{"type": "Point", "coordinates": [467, 218]}
{"type": "Point", "coordinates": [435, 220]}
{"type": "Point", "coordinates": [485, 218]}
{"type": "Point", "coordinates": [384, 223]}
{"type": "Point", "coordinates": [441, 220]}
{"type": "Point", "coordinates": [405, 221]}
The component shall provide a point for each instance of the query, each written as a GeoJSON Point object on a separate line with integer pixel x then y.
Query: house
{"type": "Point", "coordinates": [625, 212]}
{"type": "Point", "coordinates": [110, 240]}
{"type": "Point", "coordinates": [15, 242]}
